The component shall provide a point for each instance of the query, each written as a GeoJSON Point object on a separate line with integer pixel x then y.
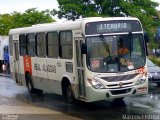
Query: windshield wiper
{"type": "Point", "coordinates": [106, 46]}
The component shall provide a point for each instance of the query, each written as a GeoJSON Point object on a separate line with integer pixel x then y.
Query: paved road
{"type": "Point", "coordinates": [17, 103]}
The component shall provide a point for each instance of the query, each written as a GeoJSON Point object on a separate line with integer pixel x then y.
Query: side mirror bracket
{"type": "Point", "coordinates": [146, 39]}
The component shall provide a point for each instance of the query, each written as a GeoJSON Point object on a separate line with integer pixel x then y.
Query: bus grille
{"type": "Point", "coordinates": [118, 92]}
{"type": "Point", "coordinates": [117, 85]}
{"type": "Point", "coordinates": [119, 78]}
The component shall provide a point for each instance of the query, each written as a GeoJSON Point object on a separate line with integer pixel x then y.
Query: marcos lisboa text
{"type": "Point", "coordinates": [140, 117]}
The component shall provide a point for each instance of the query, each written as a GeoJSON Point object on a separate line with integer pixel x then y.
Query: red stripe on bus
{"type": "Point", "coordinates": [27, 64]}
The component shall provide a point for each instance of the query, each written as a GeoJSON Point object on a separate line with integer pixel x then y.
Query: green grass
{"type": "Point", "coordinates": [155, 60]}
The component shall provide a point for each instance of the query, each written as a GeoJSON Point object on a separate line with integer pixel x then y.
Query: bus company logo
{"type": "Point", "coordinates": [27, 63]}
{"type": "Point", "coordinates": [141, 70]}
{"type": "Point", "coordinates": [120, 84]}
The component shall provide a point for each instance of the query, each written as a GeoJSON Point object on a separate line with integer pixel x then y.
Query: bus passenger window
{"type": "Point", "coordinates": [41, 45]}
{"type": "Point", "coordinates": [10, 45]}
{"type": "Point", "coordinates": [66, 44]}
{"type": "Point", "coordinates": [31, 44]}
{"type": "Point", "coordinates": [22, 45]}
{"type": "Point", "coordinates": [52, 45]}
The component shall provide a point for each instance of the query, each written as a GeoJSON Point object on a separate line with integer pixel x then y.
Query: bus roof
{"type": "Point", "coordinates": [66, 25]}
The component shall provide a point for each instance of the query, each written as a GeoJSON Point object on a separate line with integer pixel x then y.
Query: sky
{"type": "Point", "coordinates": [9, 6]}
{"type": "Point", "coordinates": [158, 8]}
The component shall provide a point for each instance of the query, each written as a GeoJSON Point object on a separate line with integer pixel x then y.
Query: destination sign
{"type": "Point", "coordinates": [112, 27]}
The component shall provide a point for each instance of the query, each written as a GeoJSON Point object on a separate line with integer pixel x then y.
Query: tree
{"type": "Point", "coordinates": [5, 23]}
{"type": "Point", "coordinates": [145, 10]}
{"type": "Point", "coordinates": [30, 17]}
{"type": "Point", "coordinates": [73, 9]}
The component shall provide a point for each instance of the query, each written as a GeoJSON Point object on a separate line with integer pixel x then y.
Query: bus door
{"type": "Point", "coordinates": [80, 68]}
{"type": "Point", "coordinates": [16, 61]}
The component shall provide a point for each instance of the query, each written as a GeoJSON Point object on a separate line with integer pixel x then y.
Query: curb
{"type": "Point", "coordinates": [5, 75]}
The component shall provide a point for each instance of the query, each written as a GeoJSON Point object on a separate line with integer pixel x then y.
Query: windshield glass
{"type": "Point", "coordinates": [115, 53]}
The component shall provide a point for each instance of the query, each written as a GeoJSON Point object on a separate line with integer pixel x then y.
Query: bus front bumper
{"type": "Point", "coordinates": [108, 94]}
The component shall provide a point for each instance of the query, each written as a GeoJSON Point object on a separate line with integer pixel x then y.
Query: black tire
{"type": "Point", "coordinates": [29, 83]}
{"type": "Point", "coordinates": [69, 96]}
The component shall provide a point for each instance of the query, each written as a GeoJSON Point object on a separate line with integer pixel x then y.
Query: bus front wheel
{"type": "Point", "coordinates": [69, 94]}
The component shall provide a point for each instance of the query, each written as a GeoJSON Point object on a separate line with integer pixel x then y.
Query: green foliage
{"type": "Point", "coordinates": [16, 19]}
{"type": "Point", "coordinates": [5, 23]}
{"type": "Point", "coordinates": [145, 10]}
{"type": "Point", "coordinates": [153, 45]}
{"type": "Point", "coordinates": [72, 9]}
{"type": "Point", "coordinates": [155, 60]}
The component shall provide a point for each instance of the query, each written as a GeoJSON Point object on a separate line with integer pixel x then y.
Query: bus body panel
{"type": "Point", "coordinates": [98, 95]}
{"type": "Point", "coordinates": [128, 89]}
{"type": "Point", "coordinates": [48, 73]}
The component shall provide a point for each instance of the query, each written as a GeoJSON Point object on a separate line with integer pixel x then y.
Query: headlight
{"type": "Point", "coordinates": [141, 80]}
{"type": "Point", "coordinates": [95, 83]}
{"type": "Point", "coordinates": [149, 75]}
{"type": "Point", "coordinates": [156, 73]}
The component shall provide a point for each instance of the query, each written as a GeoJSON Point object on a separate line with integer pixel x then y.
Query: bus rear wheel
{"type": "Point", "coordinates": [69, 96]}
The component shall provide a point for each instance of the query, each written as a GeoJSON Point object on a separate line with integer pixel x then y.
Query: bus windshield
{"type": "Point", "coordinates": [118, 53]}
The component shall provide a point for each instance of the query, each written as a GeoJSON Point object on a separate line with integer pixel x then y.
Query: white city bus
{"type": "Point", "coordinates": [79, 59]}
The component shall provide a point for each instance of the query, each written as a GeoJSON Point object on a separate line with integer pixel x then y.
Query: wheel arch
{"type": "Point", "coordinates": [64, 83]}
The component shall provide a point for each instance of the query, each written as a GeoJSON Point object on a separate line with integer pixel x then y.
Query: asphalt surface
{"type": "Point", "coordinates": [17, 104]}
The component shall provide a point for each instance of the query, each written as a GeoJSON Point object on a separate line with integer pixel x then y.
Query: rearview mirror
{"type": "Point", "coordinates": [146, 39]}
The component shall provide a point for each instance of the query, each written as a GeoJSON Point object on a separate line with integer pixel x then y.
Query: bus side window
{"type": "Point", "coordinates": [41, 44]}
{"type": "Point", "coordinates": [23, 45]}
{"type": "Point", "coordinates": [10, 45]}
{"type": "Point", "coordinates": [52, 45]}
{"type": "Point", "coordinates": [66, 47]}
{"type": "Point", "coordinates": [31, 44]}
